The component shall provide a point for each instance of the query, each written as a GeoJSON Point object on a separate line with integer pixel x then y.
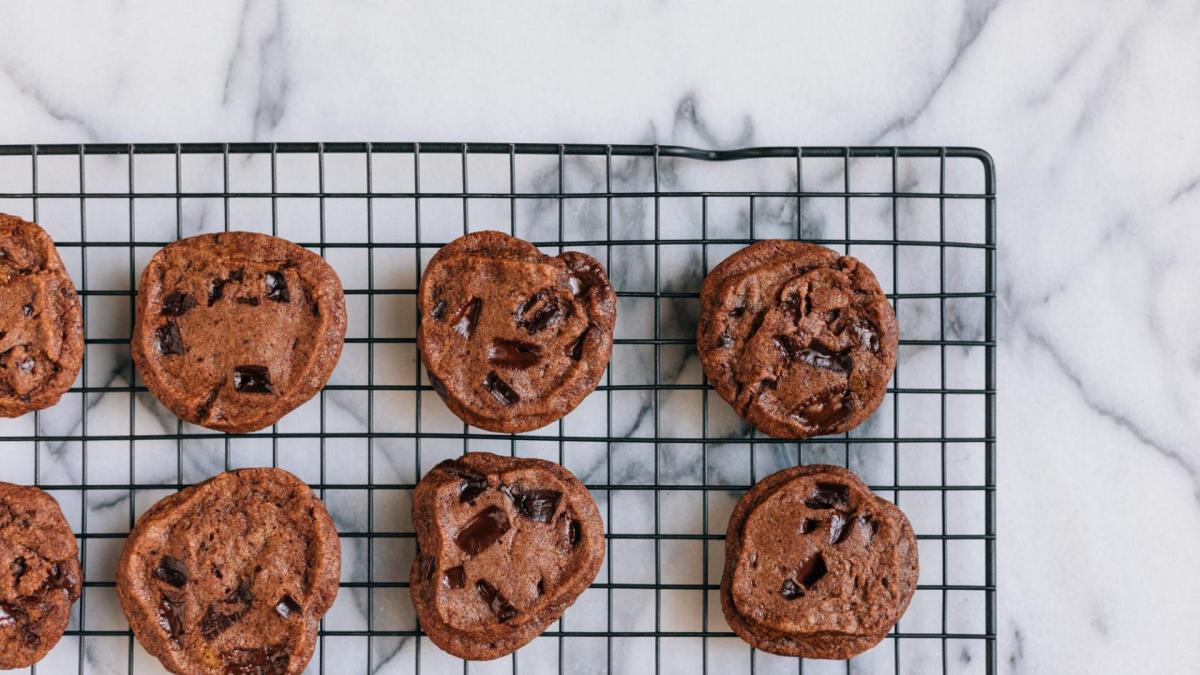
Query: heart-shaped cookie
{"type": "Point", "coordinates": [513, 339]}
{"type": "Point", "coordinates": [506, 545]}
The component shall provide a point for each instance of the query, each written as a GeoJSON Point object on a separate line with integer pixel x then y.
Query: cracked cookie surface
{"type": "Point", "coordinates": [41, 322]}
{"type": "Point", "coordinates": [40, 575]}
{"type": "Point", "coordinates": [234, 330]}
{"type": "Point", "coordinates": [506, 545]}
{"type": "Point", "coordinates": [513, 339]}
{"type": "Point", "coordinates": [798, 338]}
{"type": "Point", "coordinates": [816, 565]}
{"type": "Point", "coordinates": [232, 575]}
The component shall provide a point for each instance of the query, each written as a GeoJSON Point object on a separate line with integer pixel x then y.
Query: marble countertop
{"type": "Point", "coordinates": [1087, 108]}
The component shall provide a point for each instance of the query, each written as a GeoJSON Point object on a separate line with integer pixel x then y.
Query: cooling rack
{"type": "Point", "coordinates": [665, 459]}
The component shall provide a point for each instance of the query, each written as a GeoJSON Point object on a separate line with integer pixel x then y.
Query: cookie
{"type": "Point", "coordinates": [506, 545]}
{"type": "Point", "coordinates": [232, 575]}
{"type": "Point", "coordinates": [513, 339]}
{"type": "Point", "coordinates": [816, 565]}
{"type": "Point", "coordinates": [798, 338]}
{"type": "Point", "coordinates": [235, 330]}
{"type": "Point", "coordinates": [41, 323]}
{"type": "Point", "coordinates": [40, 576]}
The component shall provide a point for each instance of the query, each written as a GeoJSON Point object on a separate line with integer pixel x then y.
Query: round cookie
{"type": "Point", "coordinates": [513, 339]}
{"type": "Point", "coordinates": [232, 575]}
{"type": "Point", "coordinates": [40, 576]}
{"type": "Point", "coordinates": [234, 330]}
{"type": "Point", "coordinates": [41, 324]}
{"type": "Point", "coordinates": [507, 544]}
{"type": "Point", "coordinates": [816, 565]}
{"type": "Point", "coordinates": [798, 338]}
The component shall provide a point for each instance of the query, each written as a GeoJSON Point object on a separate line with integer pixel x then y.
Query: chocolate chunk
{"type": "Point", "coordinates": [811, 571]}
{"type": "Point", "coordinates": [790, 590]}
{"type": "Point", "coordinates": [171, 571]}
{"type": "Point", "coordinates": [483, 530]}
{"type": "Point", "coordinates": [253, 301]}
{"type": "Point", "coordinates": [6, 618]}
{"type": "Point", "coordinates": [277, 288]}
{"type": "Point", "coordinates": [501, 608]}
{"type": "Point", "coordinates": [467, 318]}
{"type": "Point", "coordinates": [471, 488]}
{"type": "Point", "coordinates": [473, 483]}
{"type": "Point", "coordinates": [216, 289]}
{"type": "Point", "coordinates": [62, 578]}
{"type": "Point", "coordinates": [724, 339]}
{"type": "Point", "coordinates": [574, 533]}
{"type": "Point", "coordinates": [500, 390]}
{"type": "Point", "coordinates": [237, 275]}
{"type": "Point", "coordinates": [454, 578]}
{"type": "Point", "coordinates": [438, 309]}
{"type": "Point", "coordinates": [170, 342]}
{"type": "Point", "coordinates": [27, 310]}
{"type": "Point", "coordinates": [829, 496]}
{"type": "Point", "coordinates": [536, 505]}
{"type": "Point", "coordinates": [822, 411]}
{"type": "Point", "coordinates": [576, 350]}
{"type": "Point", "coordinates": [865, 335]}
{"type": "Point", "coordinates": [807, 525]}
{"type": "Point", "coordinates": [252, 379]}
{"type": "Point", "coordinates": [586, 275]}
{"type": "Point", "coordinates": [170, 617]}
{"type": "Point", "coordinates": [819, 359]}
{"type": "Point", "coordinates": [866, 525]}
{"type": "Point", "coordinates": [215, 621]}
{"type": "Point", "coordinates": [540, 311]}
{"type": "Point", "coordinates": [428, 563]}
{"type": "Point", "coordinates": [514, 354]}
{"type": "Point", "coordinates": [271, 660]}
{"type": "Point", "coordinates": [26, 365]}
{"type": "Point", "coordinates": [287, 606]}
{"type": "Point", "coordinates": [839, 527]}
{"type": "Point", "coordinates": [177, 303]}
{"type": "Point", "coordinates": [541, 587]}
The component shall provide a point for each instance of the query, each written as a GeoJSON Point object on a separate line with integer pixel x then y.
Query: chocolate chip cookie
{"type": "Point", "coordinates": [506, 545]}
{"type": "Point", "coordinates": [40, 576]}
{"type": "Point", "coordinates": [798, 338]}
{"type": "Point", "coordinates": [234, 330]}
{"type": "Point", "coordinates": [232, 575]}
{"type": "Point", "coordinates": [41, 323]}
{"type": "Point", "coordinates": [816, 565]}
{"type": "Point", "coordinates": [513, 339]}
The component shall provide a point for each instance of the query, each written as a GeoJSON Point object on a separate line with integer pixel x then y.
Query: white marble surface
{"type": "Point", "coordinates": [1088, 109]}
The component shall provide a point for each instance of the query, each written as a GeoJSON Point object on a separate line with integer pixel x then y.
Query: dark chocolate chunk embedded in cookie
{"type": "Point", "coordinates": [513, 339]}
{"type": "Point", "coordinates": [506, 545]}
{"type": "Point", "coordinates": [40, 575]}
{"type": "Point", "coordinates": [798, 338]}
{"type": "Point", "coordinates": [41, 322]}
{"type": "Point", "coordinates": [816, 565]}
{"type": "Point", "coordinates": [232, 575]}
{"type": "Point", "coordinates": [234, 330]}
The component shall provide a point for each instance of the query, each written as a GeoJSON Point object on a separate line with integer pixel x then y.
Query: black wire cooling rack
{"type": "Point", "coordinates": [665, 459]}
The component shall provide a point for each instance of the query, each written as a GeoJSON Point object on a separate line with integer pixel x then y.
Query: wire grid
{"type": "Point", "coordinates": [560, 197]}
